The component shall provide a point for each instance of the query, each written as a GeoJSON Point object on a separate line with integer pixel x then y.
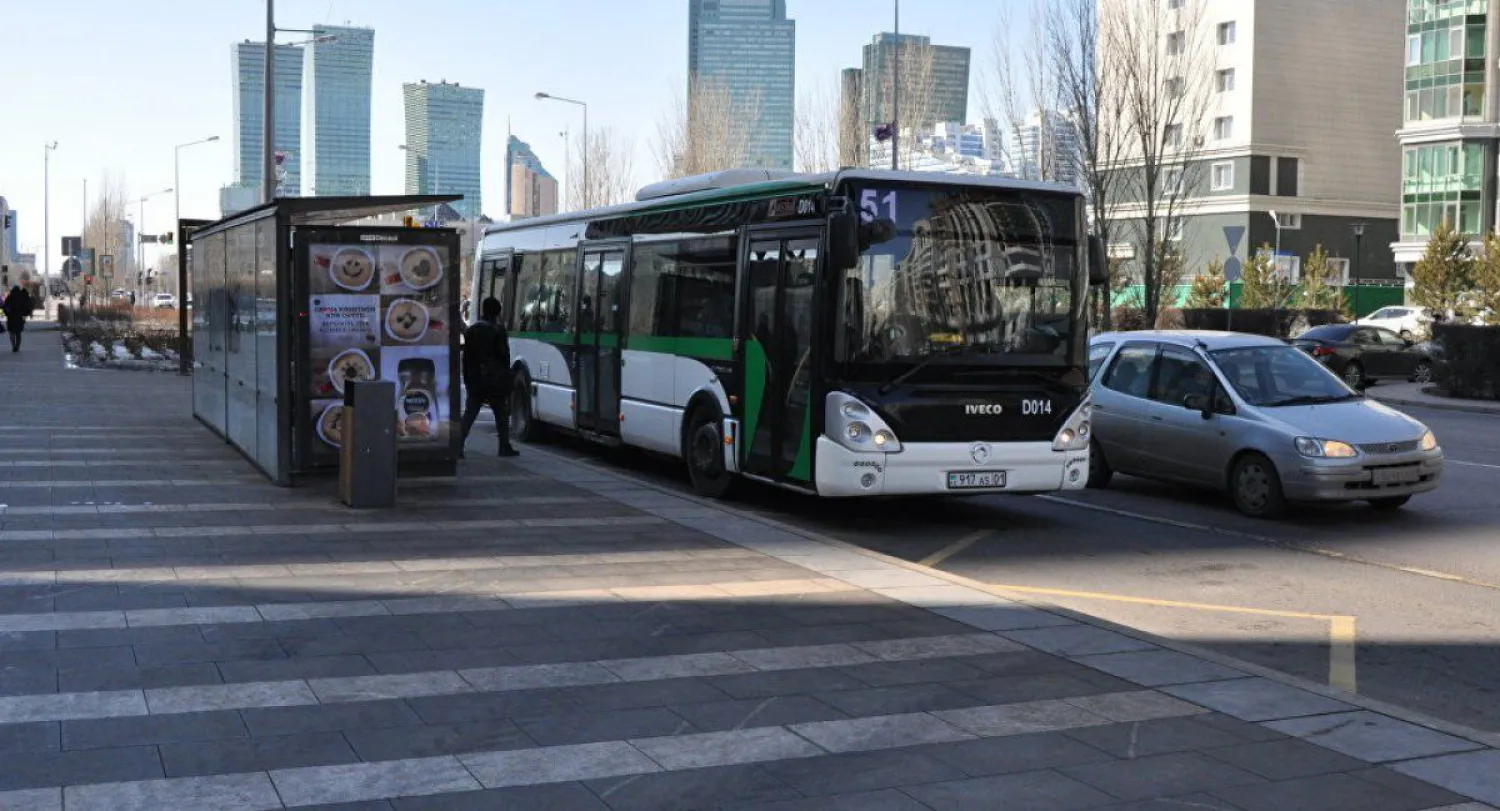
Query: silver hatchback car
{"type": "Point", "coordinates": [1251, 415]}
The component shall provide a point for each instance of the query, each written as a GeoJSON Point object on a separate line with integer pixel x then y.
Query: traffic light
{"type": "Point", "coordinates": [166, 239]}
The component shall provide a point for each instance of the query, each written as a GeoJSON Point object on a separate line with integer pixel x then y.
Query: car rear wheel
{"type": "Point", "coordinates": [1100, 472]}
{"type": "Point", "coordinates": [1423, 372]}
{"type": "Point", "coordinates": [1389, 502]}
{"type": "Point", "coordinates": [1256, 487]}
{"type": "Point", "coordinates": [1406, 335]}
{"type": "Point", "coordinates": [1354, 375]}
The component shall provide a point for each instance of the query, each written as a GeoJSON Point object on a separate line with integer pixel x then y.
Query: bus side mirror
{"type": "Point", "coordinates": [1098, 267]}
{"type": "Point", "coordinates": [843, 240]}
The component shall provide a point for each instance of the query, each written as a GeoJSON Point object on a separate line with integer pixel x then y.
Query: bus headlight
{"type": "Point", "coordinates": [856, 426]}
{"type": "Point", "coordinates": [1077, 431]}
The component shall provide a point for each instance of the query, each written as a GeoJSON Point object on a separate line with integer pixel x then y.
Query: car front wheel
{"type": "Point", "coordinates": [1256, 487]}
{"type": "Point", "coordinates": [1390, 502]}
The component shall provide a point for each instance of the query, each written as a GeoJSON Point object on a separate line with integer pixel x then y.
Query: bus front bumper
{"type": "Point", "coordinates": [925, 468]}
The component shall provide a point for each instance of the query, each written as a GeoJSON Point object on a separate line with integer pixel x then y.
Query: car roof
{"type": "Point", "coordinates": [1207, 339]}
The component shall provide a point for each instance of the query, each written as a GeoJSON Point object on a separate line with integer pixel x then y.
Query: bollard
{"type": "Point", "coordinates": [367, 459]}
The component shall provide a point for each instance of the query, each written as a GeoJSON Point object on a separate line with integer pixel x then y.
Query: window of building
{"type": "Point", "coordinates": [1414, 50]}
{"type": "Point", "coordinates": [1226, 33]}
{"type": "Point", "coordinates": [1260, 174]}
{"type": "Point", "coordinates": [1171, 180]}
{"type": "Point", "coordinates": [1174, 87]}
{"type": "Point", "coordinates": [1222, 176]}
{"type": "Point", "coordinates": [1174, 229]}
{"type": "Point", "coordinates": [1340, 268]}
{"type": "Point", "coordinates": [1174, 4]}
{"type": "Point", "coordinates": [1172, 134]}
{"type": "Point", "coordinates": [1286, 177]}
{"type": "Point", "coordinates": [1290, 221]}
{"type": "Point", "coordinates": [1175, 42]}
{"type": "Point", "coordinates": [1224, 80]}
{"type": "Point", "coordinates": [1223, 128]}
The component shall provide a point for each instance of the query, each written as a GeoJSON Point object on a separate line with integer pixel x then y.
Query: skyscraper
{"type": "Point", "coordinates": [530, 190]}
{"type": "Point", "coordinates": [934, 81]}
{"type": "Point", "coordinates": [749, 48]}
{"type": "Point", "coordinates": [249, 62]}
{"type": "Point", "coordinates": [443, 124]}
{"type": "Point", "coordinates": [338, 110]}
{"type": "Point", "coordinates": [1045, 147]}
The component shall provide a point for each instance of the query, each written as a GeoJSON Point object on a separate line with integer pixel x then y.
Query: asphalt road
{"type": "Point", "coordinates": [1404, 607]}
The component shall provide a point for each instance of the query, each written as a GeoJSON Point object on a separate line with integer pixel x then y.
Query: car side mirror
{"type": "Point", "coordinates": [1197, 402]}
{"type": "Point", "coordinates": [1098, 266]}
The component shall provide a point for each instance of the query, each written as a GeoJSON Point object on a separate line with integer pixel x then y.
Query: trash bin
{"type": "Point", "coordinates": [367, 457]}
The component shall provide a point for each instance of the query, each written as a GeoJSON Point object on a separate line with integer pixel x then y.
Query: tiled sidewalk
{"type": "Point", "coordinates": [177, 634]}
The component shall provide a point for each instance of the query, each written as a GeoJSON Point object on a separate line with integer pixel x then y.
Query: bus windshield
{"type": "Point", "coordinates": [980, 274]}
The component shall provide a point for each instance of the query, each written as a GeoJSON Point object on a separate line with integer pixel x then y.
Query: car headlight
{"type": "Point", "coordinates": [856, 426]}
{"type": "Point", "coordinates": [1325, 448]}
{"type": "Point", "coordinates": [1078, 430]}
{"type": "Point", "coordinates": [1429, 442]}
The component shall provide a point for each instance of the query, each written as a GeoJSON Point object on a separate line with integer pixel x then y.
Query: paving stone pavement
{"type": "Point", "coordinates": [176, 633]}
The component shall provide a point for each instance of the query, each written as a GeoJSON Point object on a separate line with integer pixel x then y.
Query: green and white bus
{"type": "Point", "coordinates": [857, 333]}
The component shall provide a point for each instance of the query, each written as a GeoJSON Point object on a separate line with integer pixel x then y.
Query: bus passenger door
{"type": "Point", "coordinates": [599, 326]}
{"type": "Point", "coordinates": [776, 336]}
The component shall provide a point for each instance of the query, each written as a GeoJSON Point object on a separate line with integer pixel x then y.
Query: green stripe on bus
{"type": "Point", "coordinates": [755, 392]}
{"type": "Point", "coordinates": [548, 337]}
{"type": "Point", "coordinates": [586, 340]}
{"type": "Point", "coordinates": [713, 348]}
{"type": "Point", "coordinates": [802, 467]}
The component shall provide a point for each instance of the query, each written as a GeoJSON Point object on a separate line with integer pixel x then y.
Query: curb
{"type": "Point", "coordinates": [1438, 406]}
{"type": "Point", "coordinates": [1488, 739]}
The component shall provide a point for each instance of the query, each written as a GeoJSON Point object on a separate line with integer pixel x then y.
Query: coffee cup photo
{"type": "Point", "coordinates": [352, 268]}
{"type": "Point", "coordinates": [406, 320]}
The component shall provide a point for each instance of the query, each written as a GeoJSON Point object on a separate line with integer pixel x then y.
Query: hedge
{"type": "Point", "coordinates": [1273, 323]}
{"type": "Point", "coordinates": [1468, 360]}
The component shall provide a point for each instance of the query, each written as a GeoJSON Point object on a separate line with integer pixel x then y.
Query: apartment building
{"type": "Point", "coordinates": [1293, 146]}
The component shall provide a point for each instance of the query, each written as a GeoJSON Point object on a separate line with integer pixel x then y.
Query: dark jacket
{"type": "Point", "coordinates": [486, 359]}
{"type": "Point", "coordinates": [18, 305]}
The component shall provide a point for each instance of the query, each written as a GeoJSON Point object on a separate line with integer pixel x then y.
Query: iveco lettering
{"type": "Point", "coordinates": [856, 333]}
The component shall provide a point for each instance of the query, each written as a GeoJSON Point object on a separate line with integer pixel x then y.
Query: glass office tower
{"type": "Point", "coordinates": [338, 111]}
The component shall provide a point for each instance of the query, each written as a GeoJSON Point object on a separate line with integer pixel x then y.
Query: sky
{"type": "Point", "coordinates": [118, 85]}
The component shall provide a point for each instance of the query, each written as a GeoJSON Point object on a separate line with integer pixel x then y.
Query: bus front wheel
{"type": "Point", "coordinates": [703, 450]}
{"type": "Point", "coordinates": [524, 426]}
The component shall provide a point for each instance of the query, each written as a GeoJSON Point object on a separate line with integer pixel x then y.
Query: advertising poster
{"type": "Point", "coordinates": [378, 311]}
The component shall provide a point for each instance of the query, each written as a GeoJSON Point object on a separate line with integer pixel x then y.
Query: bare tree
{"type": "Point", "coordinates": [1157, 66]}
{"type": "Point", "coordinates": [918, 103]}
{"type": "Point", "coordinates": [105, 230]}
{"type": "Point", "coordinates": [707, 131]}
{"type": "Point", "coordinates": [854, 135]}
{"type": "Point", "coordinates": [818, 133]}
{"type": "Point", "coordinates": [1026, 92]}
{"type": "Point", "coordinates": [611, 169]}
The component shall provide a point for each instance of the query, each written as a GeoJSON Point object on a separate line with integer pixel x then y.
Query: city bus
{"type": "Point", "coordinates": [855, 333]}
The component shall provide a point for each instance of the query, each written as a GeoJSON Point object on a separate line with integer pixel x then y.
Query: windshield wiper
{"type": "Point", "coordinates": [1316, 399]}
{"type": "Point", "coordinates": [961, 349]}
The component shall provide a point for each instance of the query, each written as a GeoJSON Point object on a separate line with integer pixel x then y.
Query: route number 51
{"type": "Point", "coordinates": [870, 201]}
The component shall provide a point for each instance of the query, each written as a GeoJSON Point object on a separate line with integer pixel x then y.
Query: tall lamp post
{"type": "Point", "coordinates": [177, 179]}
{"type": "Point", "coordinates": [896, 93]}
{"type": "Point", "coordinates": [548, 96]}
{"type": "Point", "coordinates": [47, 210]}
{"type": "Point", "coordinates": [268, 90]}
{"type": "Point", "coordinates": [140, 231]}
{"type": "Point", "coordinates": [1359, 236]}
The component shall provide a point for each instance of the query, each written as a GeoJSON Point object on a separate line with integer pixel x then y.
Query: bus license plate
{"type": "Point", "coordinates": [1396, 475]}
{"type": "Point", "coordinates": [976, 479]}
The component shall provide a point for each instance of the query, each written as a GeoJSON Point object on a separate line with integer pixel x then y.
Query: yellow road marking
{"type": "Point", "coordinates": [954, 548]}
{"type": "Point", "coordinates": [1341, 628]}
{"type": "Point", "coordinates": [1341, 653]}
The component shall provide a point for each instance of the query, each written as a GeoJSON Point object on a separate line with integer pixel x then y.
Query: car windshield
{"type": "Point", "coordinates": [989, 270]}
{"type": "Point", "coordinates": [1271, 376]}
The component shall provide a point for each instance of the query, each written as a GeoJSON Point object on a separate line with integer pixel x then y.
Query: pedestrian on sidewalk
{"type": "Point", "coordinates": [487, 375]}
{"type": "Point", "coordinates": [18, 306]}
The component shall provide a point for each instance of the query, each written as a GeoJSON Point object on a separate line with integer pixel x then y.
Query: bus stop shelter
{"type": "Point", "coordinates": [290, 302]}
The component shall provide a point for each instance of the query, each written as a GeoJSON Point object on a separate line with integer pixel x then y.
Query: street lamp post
{"type": "Point", "coordinates": [896, 93]}
{"type": "Point", "coordinates": [177, 179]}
{"type": "Point", "coordinates": [1359, 236]}
{"type": "Point", "coordinates": [586, 191]}
{"type": "Point", "coordinates": [47, 210]}
{"type": "Point", "coordinates": [268, 113]}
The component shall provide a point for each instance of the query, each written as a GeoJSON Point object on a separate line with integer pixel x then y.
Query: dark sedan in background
{"type": "Point", "coordinates": [1362, 355]}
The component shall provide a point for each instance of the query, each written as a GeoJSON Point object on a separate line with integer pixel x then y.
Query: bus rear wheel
{"type": "Point", "coordinates": [703, 450]}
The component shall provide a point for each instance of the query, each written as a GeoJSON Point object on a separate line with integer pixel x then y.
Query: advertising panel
{"type": "Point", "coordinates": [378, 308]}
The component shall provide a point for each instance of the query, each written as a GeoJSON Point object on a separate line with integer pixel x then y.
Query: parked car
{"type": "Point", "coordinates": [164, 301]}
{"type": "Point", "coordinates": [1253, 416]}
{"type": "Point", "coordinates": [1410, 323]}
{"type": "Point", "coordinates": [1364, 355]}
